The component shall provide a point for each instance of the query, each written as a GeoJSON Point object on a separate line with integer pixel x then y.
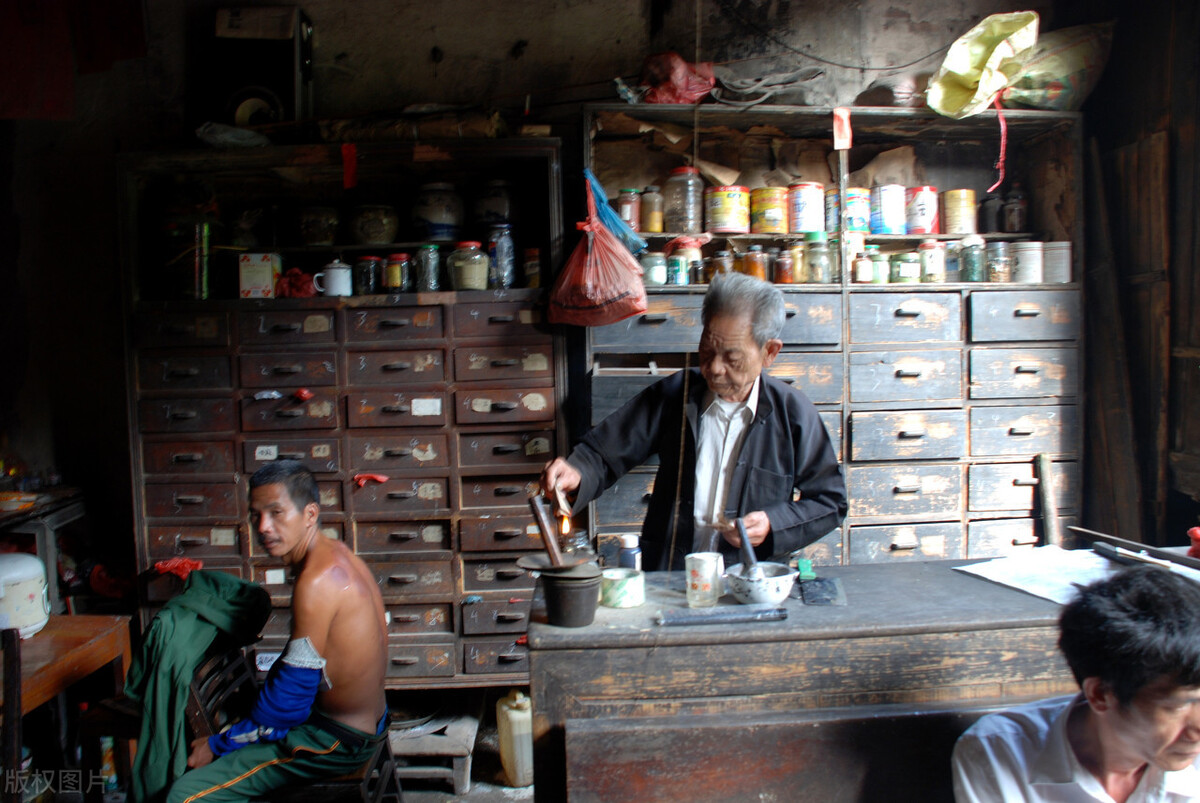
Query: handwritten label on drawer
{"type": "Point", "coordinates": [275, 577]}
{"type": "Point", "coordinates": [266, 452]}
{"type": "Point", "coordinates": [317, 323]}
{"type": "Point", "coordinates": [537, 446]}
{"type": "Point", "coordinates": [320, 409]}
{"type": "Point", "coordinates": [481, 405]}
{"type": "Point", "coordinates": [429, 490]}
{"type": "Point", "coordinates": [535, 363]}
{"type": "Point", "coordinates": [431, 406]}
{"type": "Point", "coordinates": [222, 536]}
{"type": "Point", "coordinates": [534, 401]}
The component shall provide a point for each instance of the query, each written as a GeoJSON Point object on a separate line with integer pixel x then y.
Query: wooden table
{"type": "Point", "coordinates": [854, 702]}
{"type": "Point", "coordinates": [68, 649]}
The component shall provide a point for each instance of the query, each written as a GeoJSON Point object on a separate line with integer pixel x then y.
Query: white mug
{"type": "Point", "coordinates": [704, 571]}
{"type": "Point", "coordinates": [337, 279]}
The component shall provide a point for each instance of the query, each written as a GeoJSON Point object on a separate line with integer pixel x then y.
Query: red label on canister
{"type": "Point", "coordinates": [921, 210]}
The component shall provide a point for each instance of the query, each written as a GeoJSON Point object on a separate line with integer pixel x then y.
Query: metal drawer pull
{"type": "Point", "coordinates": [190, 499]}
{"type": "Point", "coordinates": [646, 497]}
{"type": "Point", "coordinates": [656, 317]}
{"type": "Point", "coordinates": [405, 660]}
{"type": "Point", "coordinates": [1027, 541]}
{"type": "Point", "coordinates": [510, 574]}
{"type": "Point", "coordinates": [288, 369]}
{"type": "Point", "coordinates": [500, 319]}
{"type": "Point", "coordinates": [285, 327]}
{"type": "Point", "coordinates": [506, 363]}
{"type": "Point", "coordinates": [290, 456]}
{"type": "Point", "coordinates": [1025, 312]}
{"type": "Point", "coordinates": [397, 322]}
{"type": "Point", "coordinates": [401, 494]}
{"type": "Point", "coordinates": [504, 406]}
{"type": "Point", "coordinates": [403, 535]}
{"type": "Point", "coordinates": [402, 579]}
{"type": "Point", "coordinates": [187, 457]}
{"type": "Point", "coordinates": [510, 657]}
{"type": "Point", "coordinates": [181, 373]}
{"type": "Point", "coordinates": [289, 413]}
{"type": "Point", "coordinates": [904, 543]}
{"type": "Point", "coordinates": [506, 448]}
{"type": "Point", "coordinates": [907, 489]}
{"type": "Point", "coordinates": [507, 533]}
{"type": "Point", "coordinates": [1029, 481]}
{"type": "Point", "coordinates": [508, 490]}
{"type": "Point", "coordinates": [789, 380]}
{"type": "Point", "coordinates": [396, 408]}
{"type": "Point", "coordinates": [911, 433]}
{"type": "Point", "coordinates": [396, 366]}
{"type": "Point", "coordinates": [407, 618]}
{"type": "Point", "coordinates": [190, 540]}
{"type": "Point", "coordinates": [1026, 369]}
{"type": "Point", "coordinates": [509, 617]}
{"type": "Point", "coordinates": [182, 415]}
{"type": "Point", "coordinates": [901, 312]}
{"type": "Point", "coordinates": [1019, 432]}
{"type": "Point", "coordinates": [902, 373]}
{"type": "Point", "coordinates": [397, 452]}
{"type": "Point", "coordinates": [789, 312]}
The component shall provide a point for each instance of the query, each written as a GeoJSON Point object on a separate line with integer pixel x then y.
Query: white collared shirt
{"type": "Point", "coordinates": [723, 427]}
{"type": "Point", "coordinates": [1022, 754]}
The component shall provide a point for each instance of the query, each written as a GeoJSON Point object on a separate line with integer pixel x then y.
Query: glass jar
{"type": "Point", "coordinates": [722, 262]}
{"type": "Point", "coordinates": [468, 267]}
{"type": "Point", "coordinates": [754, 262]}
{"type": "Point", "coordinates": [864, 269]}
{"type": "Point", "coordinates": [654, 268]}
{"type": "Point", "coordinates": [397, 276]}
{"type": "Point", "coordinates": [438, 212]}
{"type": "Point", "coordinates": [683, 201]}
{"type": "Point", "coordinates": [629, 207]}
{"type": "Point", "coordinates": [502, 259]}
{"type": "Point", "coordinates": [998, 262]}
{"type": "Point", "coordinates": [651, 219]}
{"type": "Point", "coordinates": [817, 258]}
{"type": "Point", "coordinates": [971, 264]}
{"type": "Point", "coordinates": [989, 213]}
{"type": "Point", "coordinates": [367, 275]}
{"type": "Point", "coordinates": [1016, 209]}
{"type": "Point", "coordinates": [428, 275]}
{"type": "Point", "coordinates": [933, 261]}
{"type": "Point", "coordinates": [906, 268]}
{"type": "Point", "coordinates": [784, 271]}
{"type": "Point", "coordinates": [880, 268]}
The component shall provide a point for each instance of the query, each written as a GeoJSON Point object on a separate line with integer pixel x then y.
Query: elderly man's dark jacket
{"type": "Point", "coordinates": [786, 450]}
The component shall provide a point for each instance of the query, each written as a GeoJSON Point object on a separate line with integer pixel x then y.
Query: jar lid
{"type": "Point", "coordinates": [631, 189]}
{"type": "Point", "coordinates": [629, 541]}
{"type": "Point", "coordinates": [722, 253]}
{"type": "Point", "coordinates": [972, 240]}
{"type": "Point", "coordinates": [397, 257]}
{"type": "Point", "coordinates": [929, 245]}
{"type": "Point", "coordinates": [470, 244]}
{"type": "Point", "coordinates": [429, 246]}
{"type": "Point", "coordinates": [651, 188]}
{"type": "Point", "coordinates": [756, 248]}
{"type": "Point", "coordinates": [815, 237]}
{"type": "Point", "coordinates": [679, 171]}
{"type": "Point", "coordinates": [907, 256]}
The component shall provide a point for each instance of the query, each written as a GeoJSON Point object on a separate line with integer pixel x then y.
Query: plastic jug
{"type": "Point", "coordinates": [515, 723]}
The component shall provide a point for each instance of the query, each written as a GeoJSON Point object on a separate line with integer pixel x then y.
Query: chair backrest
{"type": "Point", "coordinates": [222, 690]}
{"type": "Point", "coordinates": [10, 643]}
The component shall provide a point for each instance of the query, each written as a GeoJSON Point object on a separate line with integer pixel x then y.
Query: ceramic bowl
{"type": "Point", "coordinates": [773, 587]}
{"type": "Point", "coordinates": [16, 500]}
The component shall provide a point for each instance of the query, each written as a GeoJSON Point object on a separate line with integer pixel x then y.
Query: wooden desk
{"type": "Point", "coordinates": [68, 649]}
{"type": "Point", "coordinates": [721, 712]}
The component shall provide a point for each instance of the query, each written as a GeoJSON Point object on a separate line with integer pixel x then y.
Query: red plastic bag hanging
{"type": "Point", "coordinates": [601, 282]}
{"type": "Point", "coordinates": [673, 80]}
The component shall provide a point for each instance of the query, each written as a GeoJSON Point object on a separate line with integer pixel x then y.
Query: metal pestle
{"type": "Point", "coordinates": [750, 568]}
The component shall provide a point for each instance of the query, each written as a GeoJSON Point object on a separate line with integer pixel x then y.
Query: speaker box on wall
{"type": "Point", "coordinates": [253, 67]}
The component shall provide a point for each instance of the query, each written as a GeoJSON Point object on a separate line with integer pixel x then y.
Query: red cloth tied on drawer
{"type": "Point", "coordinates": [362, 479]}
{"type": "Point", "coordinates": [180, 567]}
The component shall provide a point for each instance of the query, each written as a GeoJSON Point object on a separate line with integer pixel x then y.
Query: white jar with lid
{"type": "Point", "coordinates": [24, 596]}
{"type": "Point", "coordinates": [438, 212]}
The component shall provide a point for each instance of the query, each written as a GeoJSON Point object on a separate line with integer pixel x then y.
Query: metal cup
{"type": "Point", "coordinates": [704, 571]}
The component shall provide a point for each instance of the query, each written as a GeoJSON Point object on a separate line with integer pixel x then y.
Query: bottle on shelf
{"type": "Point", "coordinates": [1016, 209]}
{"type": "Point", "coordinates": [989, 213]}
{"type": "Point", "coordinates": [651, 220]}
{"type": "Point", "coordinates": [629, 207]}
{"type": "Point", "coordinates": [468, 267]}
{"type": "Point", "coordinates": [502, 258]}
{"type": "Point", "coordinates": [816, 257]}
{"type": "Point", "coordinates": [754, 262]}
{"type": "Point", "coordinates": [683, 201]}
{"type": "Point", "coordinates": [971, 262]}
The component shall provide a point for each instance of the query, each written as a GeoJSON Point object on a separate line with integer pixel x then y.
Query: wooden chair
{"type": "Point", "coordinates": [10, 752]}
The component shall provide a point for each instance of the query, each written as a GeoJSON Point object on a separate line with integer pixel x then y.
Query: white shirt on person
{"type": "Point", "coordinates": [1022, 754]}
{"type": "Point", "coordinates": [723, 427]}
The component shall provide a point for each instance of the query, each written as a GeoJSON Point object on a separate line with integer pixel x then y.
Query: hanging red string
{"type": "Point", "coordinates": [1003, 143]}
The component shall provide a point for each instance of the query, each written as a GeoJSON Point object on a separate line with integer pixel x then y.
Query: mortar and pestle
{"type": "Point", "coordinates": [752, 582]}
{"type": "Point", "coordinates": [571, 583]}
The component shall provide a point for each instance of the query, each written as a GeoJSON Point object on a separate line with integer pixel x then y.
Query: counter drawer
{"type": "Point", "coordinates": [499, 320]}
{"type": "Point", "coordinates": [912, 435]}
{"type": "Point", "coordinates": [904, 490]}
{"type": "Point", "coordinates": [291, 369]}
{"type": "Point", "coordinates": [905, 318]}
{"type": "Point", "coordinates": [401, 580]}
{"type": "Point", "coordinates": [1013, 486]}
{"type": "Point", "coordinates": [194, 541]}
{"type": "Point", "coordinates": [499, 534]}
{"type": "Point", "coordinates": [290, 327]}
{"type": "Point", "coordinates": [1018, 373]}
{"type": "Point", "coordinates": [811, 319]}
{"type": "Point", "coordinates": [494, 656]}
{"type": "Point", "coordinates": [491, 492]}
{"type": "Point", "coordinates": [390, 537]}
{"type": "Point", "coordinates": [193, 499]}
{"type": "Point", "coordinates": [411, 409]}
{"type": "Point", "coordinates": [494, 574]}
{"type": "Point", "coordinates": [421, 495]}
{"type": "Point", "coordinates": [832, 419]}
{"type": "Point", "coordinates": [420, 660]}
{"type": "Point", "coordinates": [188, 457]}
{"type": "Point", "coordinates": [505, 362]}
{"type": "Point", "coordinates": [319, 455]}
{"type": "Point", "coordinates": [390, 451]}
{"type": "Point", "coordinates": [409, 367]}
{"type": "Point", "coordinates": [818, 375]}
{"type": "Point", "coordinates": [1024, 430]}
{"type": "Point", "coordinates": [999, 537]}
{"type": "Point", "coordinates": [496, 616]}
{"type": "Point", "coordinates": [669, 324]}
{"type": "Point", "coordinates": [394, 323]}
{"type": "Point", "coordinates": [826, 550]}
{"type": "Point", "coordinates": [906, 542]}
{"type": "Point", "coordinates": [171, 372]}
{"type": "Point", "coordinates": [503, 405]}
{"type": "Point", "coordinates": [478, 450]}
{"type": "Point", "coordinates": [626, 502]}
{"type": "Point", "coordinates": [611, 388]}
{"type": "Point", "coordinates": [319, 411]}
{"type": "Point", "coordinates": [186, 415]}
{"type": "Point", "coordinates": [1024, 315]}
{"type": "Point", "coordinates": [419, 620]}
{"type": "Point", "coordinates": [181, 329]}
{"type": "Point", "coordinates": [881, 376]}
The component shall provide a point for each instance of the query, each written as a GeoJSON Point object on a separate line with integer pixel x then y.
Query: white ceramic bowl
{"type": "Point", "coordinates": [774, 586]}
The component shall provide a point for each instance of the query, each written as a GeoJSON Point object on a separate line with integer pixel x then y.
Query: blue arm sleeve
{"type": "Point", "coordinates": [283, 703]}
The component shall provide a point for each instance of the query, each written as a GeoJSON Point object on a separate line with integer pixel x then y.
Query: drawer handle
{"type": "Point", "coordinates": [285, 327]}
{"type": "Point", "coordinates": [190, 499]}
{"type": "Point", "coordinates": [910, 434]}
{"type": "Point", "coordinates": [287, 369]}
{"type": "Point", "coordinates": [1026, 369]}
{"type": "Point", "coordinates": [1025, 482]}
{"type": "Point", "coordinates": [508, 490]}
{"type": "Point", "coordinates": [507, 533]}
{"type": "Point", "coordinates": [789, 312]}
{"type": "Point", "coordinates": [1026, 312]}
{"type": "Point", "coordinates": [182, 415]}
{"type": "Point", "coordinates": [902, 373]}
{"type": "Point", "coordinates": [396, 366]}
{"type": "Point", "coordinates": [403, 535]}
{"type": "Point", "coordinates": [903, 543]}
{"type": "Point", "coordinates": [397, 408]}
{"type": "Point", "coordinates": [509, 657]}
{"type": "Point", "coordinates": [181, 373]}
{"type": "Point", "coordinates": [646, 497]}
{"type": "Point", "coordinates": [402, 579]}
{"type": "Point", "coordinates": [189, 540]}
{"type": "Point", "coordinates": [290, 456]}
{"type": "Point", "coordinates": [504, 406]}
{"type": "Point", "coordinates": [288, 413]}
{"type": "Point", "coordinates": [401, 494]}
{"type": "Point", "coordinates": [1027, 541]}
{"type": "Point", "coordinates": [901, 312]}
{"type": "Point", "coordinates": [510, 574]}
{"type": "Point", "coordinates": [395, 322]}
{"type": "Point", "coordinates": [506, 448]}
{"type": "Point", "coordinates": [1019, 432]}
{"type": "Point", "coordinates": [509, 617]}
{"type": "Point", "coordinates": [406, 618]}
{"type": "Point", "coordinates": [907, 489]}
{"type": "Point", "coordinates": [500, 319]}
{"type": "Point", "coordinates": [656, 317]}
{"type": "Point", "coordinates": [506, 363]}
{"type": "Point", "coordinates": [187, 457]}
{"type": "Point", "coordinates": [405, 660]}
{"type": "Point", "coordinates": [397, 452]}
{"type": "Point", "coordinates": [788, 380]}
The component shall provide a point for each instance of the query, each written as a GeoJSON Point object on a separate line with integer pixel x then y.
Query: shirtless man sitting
{"type": "Point", "coordinates": [322, 709]}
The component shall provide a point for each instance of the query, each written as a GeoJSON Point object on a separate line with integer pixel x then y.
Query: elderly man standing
{"type": "Point", "coordinates": [1132, 734]}
{"type": "Point", "coordinates": [732, 442]}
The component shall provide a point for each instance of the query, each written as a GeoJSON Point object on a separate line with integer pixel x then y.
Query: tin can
{"type": "Point", "coordinates": [833, 210]}
{"type": "Point", "coordinates": [858, 209]}
{"type": "Point", "coordinates": [887, 209]}
{"type": "Point", "coordinates": [769, 210]}
{"type": "Point", "coordinates": [727, 209]}
{"type": "Point", "coordinates": [804, 206]}
{"type": "Point", "coordinates": [958, 211]}
{"type": "Point", "coordinates": [921, 210]}
{"type": "Point", "coordinates": [678, 268]}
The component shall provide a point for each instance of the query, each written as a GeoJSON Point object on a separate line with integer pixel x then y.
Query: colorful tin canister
{"type": "Point", "coordinates": [858, 209]}
{"type": "Point", "coordinates": [769, 210]}
{"type": "Point", "coordinates": [805, 210]}
{"type": "Point", "coordinates": [921, 210]}
{"type": "Point", "coordinates": [958, 211]}
{"type": "Point", "coordinates": [887, 209]}
{"type": "Point", "coordinates": [727, 209]}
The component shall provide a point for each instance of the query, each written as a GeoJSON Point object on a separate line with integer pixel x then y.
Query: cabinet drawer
{"type": "Point", "coordinates": [999, 537]}
{"type": "Point", "coordinates": [832, 419]}
{"type": "Point", "coordinates": [493, 574]}
{"type": "Point", "coordinates": [1025, 315]}
{"type": "Point", "coordinates": [381, 409]}
{"type": "Point", "coordinates": [409, 367]}
{"type": "Point", "coordinates": [1023, 430]}
{"type": "Point", "coordinates": [181, 329]}
{"type": "Point", "coordinates": [403, 495]}
{"type": "Point", "coordinates": [1017, 373]}
{"type": "Point", "coordinates": [401, 450]}
{"type": "Point", "coordinates": [192, 499]}
{"type": "Point", "coordinates": [419, 620]}
{"type": "Point", "coordinates": [502, 616]}
{"type": "Point", "coordinates": [394, 323]}
{"type": "Point", "coordinates": [514, 491]}
{"type": "Point", "coordinates": [413, 578]}
{"type": "Point", "coordinates": [199, 542]}
{"type": "Point", "coordinates": [810, 319]}
{"type": "Point", "coordinates": [333, 530]}
{"type": "Point", "coordinates": [611, 389]}
{"type": "Point", "coordinates": [825, 551]}
{"type": "Point", "coordinates": [288, 369]}
{"type": "Point", "coordinates": [188, 457]}
{"type": "Point", "coordinates": [498, 363]}
{"type": "Point", "coordinates": [183, 372]}
{"type": "Point", "coordinates": [265, 415]}
{"type": "Point", "coordinates": [1013, 486]}
{"type": "Point", "coordinates": [913, 435]}
{"type": "Point", "coordinates": [904, 490]}
{"type": "Point", "coordinates": [534, 448]}
{"type": "Point", "coordinates": [387, 537]}
{"type": "Point", "coordinates": [670, 323]}
{"type": "Point", "coordinates": [880, 376]}
{"type": "Point", "coordinates": [626, 502]}
{"type": "Point", "coordinates": [186, 415]}
{"type": "Point", "coordinates": [818, 375]}
{"type": "Point", "coordinates": [421, 660]}
{"type": "Point", "coordinates": [907, 318]}
{"type": "Point", "coordinates": [503, 405]}
{"type": "Point", "coordinates": [499, 320]}
{"type": "Point", "coordinates": [292, 327]}
{"type": "Point", "coordinates": [906, 542]}
{"type": "Point", "coordinates": [493, 656]}
{"type": "Point", "coordinates": [499, 534]}
{"type": "Point", "coordinates": [319, 455]}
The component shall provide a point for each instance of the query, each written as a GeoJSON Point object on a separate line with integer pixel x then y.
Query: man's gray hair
{"type": "Point", "coordinates": [732, 294]}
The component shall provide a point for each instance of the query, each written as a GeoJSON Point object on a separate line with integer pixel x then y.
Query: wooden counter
{"type": "Point", "coordinates": [836, 700]}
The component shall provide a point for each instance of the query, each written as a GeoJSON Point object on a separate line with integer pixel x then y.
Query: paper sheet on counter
{"type": "Point", "coordinates": [1049, 572]}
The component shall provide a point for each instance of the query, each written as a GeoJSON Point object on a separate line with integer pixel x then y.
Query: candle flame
{"type": "Point", "coordinates": [565, 526]}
